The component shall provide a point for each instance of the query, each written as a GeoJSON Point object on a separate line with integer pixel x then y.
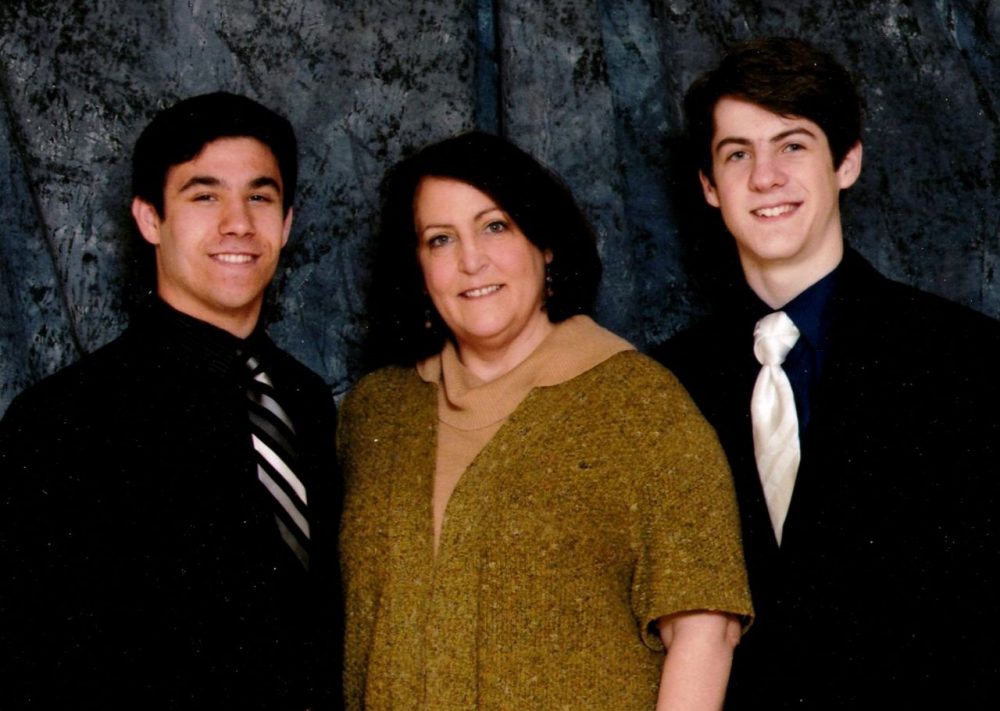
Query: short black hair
{"type": "Point", "coordinates": [534, 198]}
{"type": "Point", "coordinates": [786, 76]}
{"type": "Point", "coordinates": [179, 133]}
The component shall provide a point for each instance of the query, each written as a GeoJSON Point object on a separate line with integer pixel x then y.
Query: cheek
{"type": "Point", "coordinates": [435, 275]}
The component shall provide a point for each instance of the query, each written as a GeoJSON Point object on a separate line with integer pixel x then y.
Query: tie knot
{"type": "Point", "coordinates": [773, 336]}
{"type": "Point", "coordinates": [255, 369]}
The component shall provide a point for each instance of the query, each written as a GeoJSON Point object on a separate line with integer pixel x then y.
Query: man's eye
{"type": "Point", "coordinates": [259, 197]}
{"type": "Point", "coordinates": [204, 197]}
{"type": "Point", "coordinates": [793, 147]}
{"type": "Point", "coordinates": [736, 155]}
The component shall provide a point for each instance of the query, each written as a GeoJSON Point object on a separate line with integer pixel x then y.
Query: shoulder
{"type": "Point", "coordinates": [631, 387]}
{"type": "Point", "coordinates": [385, 390]}
{"type": "Point", "coordinates": [896, 315]}
{"type": "Point", "coordinates": [296, 375]}
{"type": "Point", "coordinates": [84, 385]}
{"type": "Point", "coordinates": [392, 407]}
{"type": "Point", "coordinates": [692, 342]}
{"type": "Point", "coordinates": [705, 354]}
{"type": "Point", "coordinates": [630, 372]}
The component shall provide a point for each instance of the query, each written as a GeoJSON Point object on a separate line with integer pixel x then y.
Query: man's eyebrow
{"type": "Point", "coordinates": [265, 181]}
{"type": "Point", "coordinates": [794, 131]}
{"type": "Point", "coordinates": [200, 181]}
{"type": "Point", "coordinates": [731, 141]}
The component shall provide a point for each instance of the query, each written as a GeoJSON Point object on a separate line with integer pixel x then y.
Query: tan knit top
{"type": "Point", "coordinates": [599, 505]}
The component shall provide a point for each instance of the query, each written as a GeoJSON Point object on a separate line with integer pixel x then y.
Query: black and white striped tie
{"type": "Point", "coordinates": [273, 437]}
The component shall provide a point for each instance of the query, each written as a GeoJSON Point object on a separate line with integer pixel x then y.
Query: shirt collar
{"type": "Point", "coordinates": [810, 311]}
{"type": "Point", "coordinates": [198, 344]}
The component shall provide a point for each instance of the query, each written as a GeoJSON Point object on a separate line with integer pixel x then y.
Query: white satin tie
{"type": "Point", "coordinates": [772, 411]}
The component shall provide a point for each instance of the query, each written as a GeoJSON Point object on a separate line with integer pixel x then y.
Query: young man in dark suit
{"type": "Point", "coordinates": [169, 503]}
{"type": "Point", "coordinates": [859, 415]}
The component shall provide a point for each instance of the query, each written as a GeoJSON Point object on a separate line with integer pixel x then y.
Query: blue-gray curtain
{"type": "Point", "coordinates": [593, 89]}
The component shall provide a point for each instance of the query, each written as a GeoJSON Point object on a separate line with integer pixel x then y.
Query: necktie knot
{"type": "Point", "coordinates": [255, 369]}
{"type": "Point", "coordinates": [774, 336]}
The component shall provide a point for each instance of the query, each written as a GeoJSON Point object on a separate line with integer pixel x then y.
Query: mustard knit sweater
{"type": "Point", "coordinates": [601, 504]}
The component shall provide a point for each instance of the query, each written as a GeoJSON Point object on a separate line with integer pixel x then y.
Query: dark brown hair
{"type": "Point", "coordinates": [538, 202]}
{"type": "Point", "coordinates": [785, 76]}
{"type": "Point", "coordinates": [178, 133]}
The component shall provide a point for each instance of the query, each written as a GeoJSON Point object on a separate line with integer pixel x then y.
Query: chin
{"type": "Point", "coordinates": [773, 249]}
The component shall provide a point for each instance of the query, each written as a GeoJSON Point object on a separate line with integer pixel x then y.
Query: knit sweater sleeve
{"type": "Point", "coordinates": [685, 523]}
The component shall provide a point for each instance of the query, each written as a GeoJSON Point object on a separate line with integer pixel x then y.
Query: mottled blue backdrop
{"type": "Point", "coordinates": [591, 88]}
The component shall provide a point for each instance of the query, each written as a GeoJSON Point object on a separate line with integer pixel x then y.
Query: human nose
{"type": "Point", "coordinates": [766, 173]}
{"type": "Point", "coordinates": [235, 218]}
{"type": "Point", "coordinates": [471, 256]}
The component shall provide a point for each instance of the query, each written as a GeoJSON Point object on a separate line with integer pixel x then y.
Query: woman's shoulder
{"type": "Point", "coordinates": [385, 387]}
{"type": "Point", "coordinates": [632, 386]}
{"type": "Point", "coordinates": [632, 371]}
{"type": "Point", "coordinates": [390, 375]}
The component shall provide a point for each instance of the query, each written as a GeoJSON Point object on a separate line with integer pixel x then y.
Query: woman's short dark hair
{"type": "Point", "coordinates": [785, 76]}
{"type": "Point", "coordinates": [405, 327]}
{"type": "Point", "coordinates": [178, 134]}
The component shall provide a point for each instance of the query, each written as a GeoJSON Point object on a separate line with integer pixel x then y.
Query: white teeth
{"type": "Point", "coordinates": [482, 291]}
{"type": "Point", "coordinates": [773, 211]}
{"type": "Point", "coordinates": [233, 258]}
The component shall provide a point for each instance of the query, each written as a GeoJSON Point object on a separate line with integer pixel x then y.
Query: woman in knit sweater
{"type": "Point", "coordinates": [536, 515]}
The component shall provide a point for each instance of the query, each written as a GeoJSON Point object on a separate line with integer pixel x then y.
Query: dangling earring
{"type": "Point", "coordinates": [549, 291]}
{"type": "Point", "coordinates": [427, 318]}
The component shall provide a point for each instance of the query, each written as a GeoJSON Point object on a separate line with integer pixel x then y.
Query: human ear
{"type": "Point", "coordinates": [286, 228]}
{"type": "Point", "coordinates": [708, 189]}
{"type": "Point", "coordinates": [850, 167]}
{"type": "Point", "coordinates": [147, 220]}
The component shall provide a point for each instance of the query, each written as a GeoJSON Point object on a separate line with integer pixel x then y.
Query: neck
{"type": "Point", "coordinates": [778, 282]}
{"type": "Point", "coordinates": [239, 322]}
{"type": "Point", "coordinates": [490, 361]}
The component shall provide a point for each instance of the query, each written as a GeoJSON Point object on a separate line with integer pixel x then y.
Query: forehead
{"type": "Point", "coordinates": [237, 160]}
{"type": "Point", "coordinates": [736, 119]}
{"type": "Point", "coordinates": [435, 194]}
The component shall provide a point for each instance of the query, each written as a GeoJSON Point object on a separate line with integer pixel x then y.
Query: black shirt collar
{"type": "Point", "coordinates": [197, 344]}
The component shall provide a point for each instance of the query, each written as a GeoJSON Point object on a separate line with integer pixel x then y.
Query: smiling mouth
{"type": "Point", "coordinates": [481, 291]}
{"type": "Point", "coordinates": [776, 211]}
{"type": "Point", "coordinates": [230, 258]}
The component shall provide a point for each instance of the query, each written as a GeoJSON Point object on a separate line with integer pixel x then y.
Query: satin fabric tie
{"type": "Point", "coordinates": [274, 441]}
{"type": "Point", "coordinates": [775, 422]}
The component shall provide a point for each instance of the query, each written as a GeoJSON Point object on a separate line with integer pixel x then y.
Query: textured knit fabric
{"type": "Point", "coordinates": [601, 504]}
{"type": "Point", "coordinates": [470, 411]}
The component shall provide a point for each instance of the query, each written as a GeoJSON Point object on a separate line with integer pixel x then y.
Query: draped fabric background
{"type": "Point", "coordinates": [593, 89]}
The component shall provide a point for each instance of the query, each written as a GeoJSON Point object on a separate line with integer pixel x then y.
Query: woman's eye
{"type": "Point", "coordinates": [438, 240]}
{"type": "Point", "coordinates": [496, 226]}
